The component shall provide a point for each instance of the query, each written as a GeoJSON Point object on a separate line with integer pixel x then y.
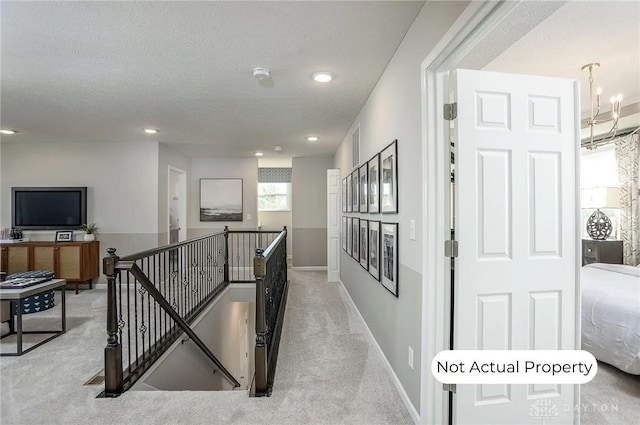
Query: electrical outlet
{"type": "Point", "coordinates": [248, 216]}
{"type": "Point", "coordinates": [411, 357]}
{"type": "Point", "coordinates": [412, 230]}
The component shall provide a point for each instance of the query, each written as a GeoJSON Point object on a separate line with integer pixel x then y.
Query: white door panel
{"type": "Point", "coordinates": [516, 270]}
{"type": "Point", "coordinates": [333, 225]}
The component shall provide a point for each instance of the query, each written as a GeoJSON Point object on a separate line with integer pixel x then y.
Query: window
{"type": "Point", "coordinates": [274, 189]}
{"type": "Point", "coordinates": [274, 196]}
{"type": "Point", "coordinates": [598, 168]}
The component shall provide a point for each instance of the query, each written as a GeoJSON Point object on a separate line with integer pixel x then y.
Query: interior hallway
{"type": "Point", "coordinates": [328, 372]}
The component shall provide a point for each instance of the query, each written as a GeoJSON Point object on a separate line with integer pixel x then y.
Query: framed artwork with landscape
{"type": "Point", "coordinates": [355, 238]}
{"type": "Point", "coordinates": [355, 180]}
{"type": "Point", "coordinates": [389, 174]}
{"type": "Point", "coordinates": [221, 200]}
{"type": "Point", "coordinates": [349, 196]}
{"type": "Point", "coordinates": [363, 188]}
{"type": "Point", "coordinates": [364, 244]}
{"type": "Point", "coordinates": [374, 249]}
{"type": "Point", "coordinates": [349, 235]}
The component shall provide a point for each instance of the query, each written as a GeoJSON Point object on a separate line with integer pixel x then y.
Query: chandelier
{"type": "Point", "coordinates": [595, 117]}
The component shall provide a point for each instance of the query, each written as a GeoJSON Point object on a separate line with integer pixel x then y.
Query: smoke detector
{"type": "Point", "coordinates": [261, 73]}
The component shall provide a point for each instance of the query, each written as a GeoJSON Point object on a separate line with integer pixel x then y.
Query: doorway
{"type": "Point", "coordinates": [177, 205]}
{"type": "Point", "coordinates": [474, 28]}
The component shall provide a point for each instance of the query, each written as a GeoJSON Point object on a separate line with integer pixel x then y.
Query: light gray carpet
{"type": "Point", "coordinates": [611, 398]}
{"type": "Point", "coordinates": [328, 372]}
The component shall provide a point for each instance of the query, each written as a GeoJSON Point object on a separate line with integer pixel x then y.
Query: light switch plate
{"type": "Point", "coordinates": [412, 230]}
{"type": "Point", "coordinates": [248, 216]}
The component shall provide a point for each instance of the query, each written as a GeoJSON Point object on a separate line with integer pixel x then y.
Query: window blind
{"type": "Point", "coordinates": [274, 175]}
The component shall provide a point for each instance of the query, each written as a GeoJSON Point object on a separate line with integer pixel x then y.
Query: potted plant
{"type": "Point", "coordinates": [90, 231]}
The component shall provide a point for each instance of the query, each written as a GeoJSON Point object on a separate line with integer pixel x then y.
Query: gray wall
{"type": "Point", "coordinates": [393, 111]}
{"type": "Point", "coordinates": [309, 205]}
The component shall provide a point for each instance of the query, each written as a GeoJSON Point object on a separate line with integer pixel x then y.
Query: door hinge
{"type": "Point", "coordinates": [451, 248]}
{"type": "Point", "coordinates": [450, 111]}
{"type": "Point", "coordinates": [449, 388]}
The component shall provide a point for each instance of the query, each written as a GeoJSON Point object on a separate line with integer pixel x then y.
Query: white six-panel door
{"type": "Point", "coordinates": [516, 272]}
{"type": "Point", "coordinates": [333, 225]}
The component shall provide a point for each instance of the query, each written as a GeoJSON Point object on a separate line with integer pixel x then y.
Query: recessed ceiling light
{"type": "Point", "coordinates": [322, 77]}
{"type": "Point", "coordinates": [150, 130]}
{"type": "Point", "coordinates": [259, 154]}
{"type": "Point", "coordinates": [7, 132]}
{"type": "Point", "coordinates": [313, 138]}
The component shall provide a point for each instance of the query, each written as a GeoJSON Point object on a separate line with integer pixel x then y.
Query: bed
{"type": "Point", "coordinates": [611, 314]}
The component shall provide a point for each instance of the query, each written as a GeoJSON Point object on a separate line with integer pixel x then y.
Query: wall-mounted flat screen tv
{"type": "Point", "coordinates": [48, 208]}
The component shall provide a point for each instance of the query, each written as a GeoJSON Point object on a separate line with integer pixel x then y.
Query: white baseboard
{"type": "Point", "coordinates": [310, 268]}
{"type": "Point", "coordinates": [403, 394]}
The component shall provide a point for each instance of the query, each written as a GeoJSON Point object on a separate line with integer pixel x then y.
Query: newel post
{"type": "Point", "coordinates": [259, 267]}
{"type": "Point", "coordinates": [113, 350]}
{"type": "Point", "coordinates": [226, 253]}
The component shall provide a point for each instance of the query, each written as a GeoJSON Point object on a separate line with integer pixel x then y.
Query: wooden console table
{"type": "Point", "coordinates": [76, 262]}
{"type": "Point", "coordinates": [15, 297]}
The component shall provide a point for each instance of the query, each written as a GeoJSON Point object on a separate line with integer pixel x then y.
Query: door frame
{"type": "Point", "coordinates": [182, 194]}
{"type": "Point", "coordinates": [474, 24]}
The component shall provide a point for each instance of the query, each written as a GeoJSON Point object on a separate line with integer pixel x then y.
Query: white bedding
{"type": "Point", "coordinates": [611, 314]}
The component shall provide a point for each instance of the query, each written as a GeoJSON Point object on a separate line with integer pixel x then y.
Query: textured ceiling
{"type": "Point", "coordinates": [578, 33]}
{"type": "Point", "coordinates": [100, 72]}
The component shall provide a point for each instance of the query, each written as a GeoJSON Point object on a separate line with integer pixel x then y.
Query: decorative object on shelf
{"type": "Point", "coordinates": [64, 236]}
{"type": "Point", "coordinates": [221, 200]}
{"type": "Point", "coordinates": [364, 244]}
{"type": "Point", "coordinates": [90, 231]}
{"type": "Point", "coordinates": [599, 226]}
{"type": "Point", "coordinates": [373, 191]}
{"type": "Point", "coordinates": [355, 238]}
{"type": "Point", "coordinates": [595, 117]}
{"type": "Point", "coordinates": [390, 257]}
{"type": "Point", "coordinates": [15, 233]}
{"type": "Point", "coordinates": [389, 186]}
{"type": "Point", "coordinates": [374, 249]}
{"type": "Point", "coordinates": [363, 171]}
{"type": "Point", "coordinates": [349, 195]}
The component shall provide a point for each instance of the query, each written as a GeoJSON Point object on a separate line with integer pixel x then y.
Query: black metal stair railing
{"type": "Point", "coordinates": [272, 285]}
{"type": "Point", "coordinates": [154, 296]}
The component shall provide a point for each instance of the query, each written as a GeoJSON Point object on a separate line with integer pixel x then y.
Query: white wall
{"type": "Point", "coordinates": [121, 180]}
{"type": "Point", "coordinates": [393, 111]}
{"type": "Point", "coordinates": [244, 168]}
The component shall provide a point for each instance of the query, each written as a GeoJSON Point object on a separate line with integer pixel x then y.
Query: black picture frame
{"type": "Point", "coordinates": [64, 236]}
{"type": "Point", "coordinates": [374, 249]}
{"type": "Point", "coordinates": [221, 199]}
{"type": "Point", "coordinates": [344, 195]}
{"type": "Point", "coordinates": [355, 239]}
{"type": "Point", "coordinates": [343, 234]}
{"type": "Point", "coordinates": [349, 236]}
{"type": "Point", "coordinates": [389, 243]}
{"type": "Point", "coordinates": [364, 243]}
{"type": "Point", "coordinates": [373, 182]}
{"type": "Point", "coordinates": [349, 194]}
{"type": "Point", "coordinates": [355, 180]}
{"type": "Point", "coordinates": [363, 202]}
{"type": "Point", "coordinates": [389, 179]}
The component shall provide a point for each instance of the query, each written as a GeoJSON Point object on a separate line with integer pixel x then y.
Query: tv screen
{"type": "Point", "coordinates": [48, 208]}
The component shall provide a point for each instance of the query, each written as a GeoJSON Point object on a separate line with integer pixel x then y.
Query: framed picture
{"type": "Point", "coordinates": [349, 236]}
{"type": "Point", "coordinates": [349, 196]}
{"type": "Point", "coordinates": [355, 237]}
{"type": "Point", "coordinates": [364, 244]}
{"type": "Point", "coordinates": [374, 249]}
{"type": "Point", "coordinates": [64, 236]}
{"type": "Point", "coordinates": [221, 200]}
{"type": "Point", "coordinates": [390, 257]}
{"type": "Point", "coordinates": [356, 190]}
{"type": "Point", "coordinates": [344, 195]}
{"type": "Point", "coordinates": [373, 192]}
{"type": "Point", "coordinates": [363, 189]}
{"type": "Point", "coordinates": [389, 185]}
{"type": "Point", "coordinates": [343, 234]}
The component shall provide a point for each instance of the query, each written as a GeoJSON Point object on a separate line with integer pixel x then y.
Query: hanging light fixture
{"type": "Point", "coordinates": [595, 117]}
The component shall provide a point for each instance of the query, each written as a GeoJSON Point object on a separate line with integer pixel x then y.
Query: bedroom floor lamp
{"type": "Point", "coordinates": [599, 226]}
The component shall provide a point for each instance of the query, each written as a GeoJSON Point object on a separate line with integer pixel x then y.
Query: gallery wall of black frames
{"type": "Point", "coordinates": [371, 237]}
